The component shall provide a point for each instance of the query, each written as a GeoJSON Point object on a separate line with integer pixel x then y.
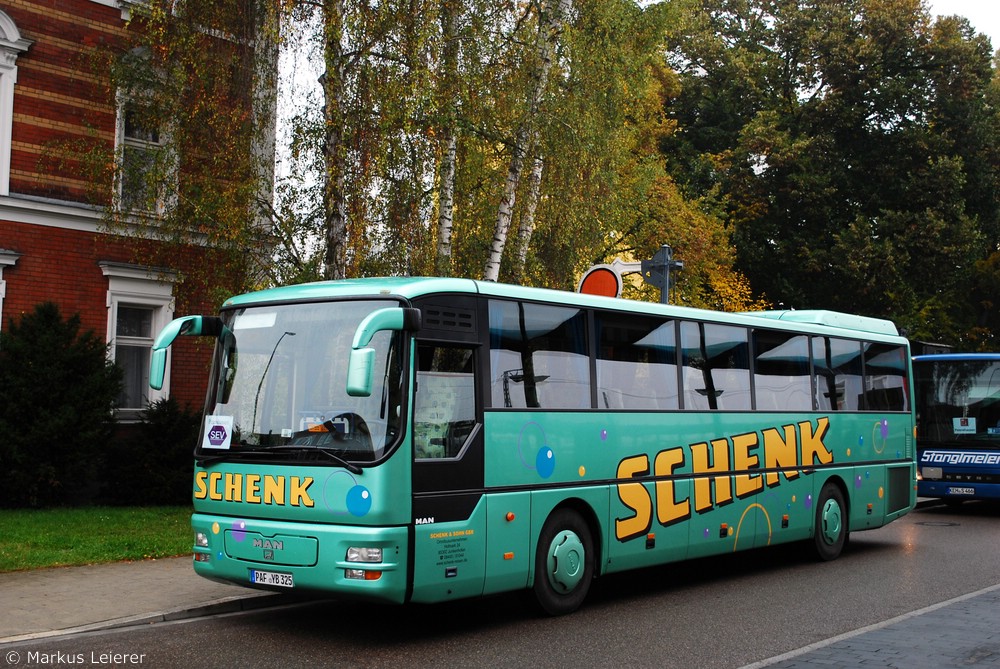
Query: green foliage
{"type": "Point", "coordinates": [151, 464]}
{"type": "Point", "coordinates": [194, 80]}
{"type": "Point", "coordinates": [852, 148]}
{"type": "Point", "coordinates": [57, 394]}
{"type": "Point", "coordinates": [599, 124]}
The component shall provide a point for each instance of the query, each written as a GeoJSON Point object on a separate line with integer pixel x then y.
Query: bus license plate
{"type": "Point", "coordinates": [271, 578]}
{"type": "Point", "coordinates": [961, 491]}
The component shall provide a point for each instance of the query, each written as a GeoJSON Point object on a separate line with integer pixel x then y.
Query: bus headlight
{"type": "Point", "coordinates": [201, 540]}
{"type": "Point", "coordinates": [364, 554]}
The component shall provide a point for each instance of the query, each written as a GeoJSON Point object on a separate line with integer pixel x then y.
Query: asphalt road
{"type": "Point", "coordinates": [722, 612]}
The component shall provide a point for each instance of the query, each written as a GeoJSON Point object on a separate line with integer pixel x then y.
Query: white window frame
{"type": "Point", "coordinates": [145, 287]}
{"type": "Point", "coordinates": [122, 142]}
{"type": "Point", "coordinates": [11, 45]}
{"type": "Point", "coordinates": [7, 259]}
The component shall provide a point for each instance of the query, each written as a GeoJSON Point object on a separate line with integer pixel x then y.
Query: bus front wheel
{"type": "Point", "coordinates": [831, 522]}
{"type": "Point", "coordinates": [564, 563]}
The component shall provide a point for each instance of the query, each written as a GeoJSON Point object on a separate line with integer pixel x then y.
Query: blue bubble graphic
{"type": "Point", "coordinates": [359, 500]}
{"type": "Point", "coordinates": [545, 462]}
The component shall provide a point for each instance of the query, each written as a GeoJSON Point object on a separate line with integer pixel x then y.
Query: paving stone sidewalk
{"type": "Point", "coordinates": [962, 632]}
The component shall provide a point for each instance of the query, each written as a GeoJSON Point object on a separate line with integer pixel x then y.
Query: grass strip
{"type": "Point", "coordinates": [33, 539]}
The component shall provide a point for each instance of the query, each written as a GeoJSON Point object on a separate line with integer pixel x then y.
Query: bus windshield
{"type": "Point", "coordinates": [279, 385]}
{"type": "Point", "coordinates": [959, 402]}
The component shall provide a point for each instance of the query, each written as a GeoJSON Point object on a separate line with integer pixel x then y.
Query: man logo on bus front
{"type": "Point", "coordinates": [217, 435]}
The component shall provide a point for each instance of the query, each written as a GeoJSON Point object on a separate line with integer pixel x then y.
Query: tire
{"type": "Point", "coordinates": [564, 563]}
{"type": "Point", "coordinates": [831, 531]}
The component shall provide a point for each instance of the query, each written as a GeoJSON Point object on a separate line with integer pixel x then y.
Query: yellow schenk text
{"type": "Point", "coordinates": [253, 488]}
{"type": "Point", "coordinates": [784, 451]}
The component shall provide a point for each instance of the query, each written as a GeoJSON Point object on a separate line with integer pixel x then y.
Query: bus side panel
{"type": "Point", "coordinates": [784, 510]}
{"type": "Point", "coordinates": [866, 487]}
{"type": "Point", "coordinates": [902, 495]}
{"type": "Point", "coordinates": [636, 537]}
{"type": "Point", "coordinates": [879, 494]}
{"type": "Point", "coordinates": [722, 522]}
{"type": "Point", "coordinates": [508, 541]}
{"type": "Point", "coordinates": [590, 502]}
{"type": "Point", "coordinates": [449, 558]}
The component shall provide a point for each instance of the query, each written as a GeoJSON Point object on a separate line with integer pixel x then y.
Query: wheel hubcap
{"type": "Point", "coordinates": [832, 521]}
{"type": "Point", "coordinates": [566, 561]}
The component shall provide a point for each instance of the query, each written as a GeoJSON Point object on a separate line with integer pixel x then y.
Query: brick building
{"type": "Point", "coordinates": [53, 243]}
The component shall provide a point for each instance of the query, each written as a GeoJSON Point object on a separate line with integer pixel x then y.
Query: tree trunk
{"type": "Point", "coordinates": [334, 152]}
{"type": "Point", "coordinates": [527, 226]}
{"type": "Point", "coordinates": [446, 199]}
{"type": "Point", "coordinates": [549, 26]}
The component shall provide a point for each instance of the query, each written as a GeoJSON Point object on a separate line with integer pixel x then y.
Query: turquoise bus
{"type": "Point", "coordinates": [427, 439]}
{"type": "Point", "coordinates": [958, 425]}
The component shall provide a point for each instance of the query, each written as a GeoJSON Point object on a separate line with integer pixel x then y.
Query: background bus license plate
{"type": "Point", "coordinates": [961, 491]}
{"type": "Point", "coordinates": [271, 578]}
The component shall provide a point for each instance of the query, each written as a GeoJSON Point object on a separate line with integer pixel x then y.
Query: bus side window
{"type": "Point", "coordinates": [716, 367]}
{"type": "Point", "coordinates": [444, 409]}
{"type": "Point", "coordinates": [636, 362]}
{"type": "Point", "coordinates": [886, 382]}
{"type": "Point", "coordinates": [538, 356]}
{"type": "Point", "coordinates": [781, 371]}
{"type": "Point", "coordinates": [837, 365]}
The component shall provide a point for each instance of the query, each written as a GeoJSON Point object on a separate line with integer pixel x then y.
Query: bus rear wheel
{"type": "Point", "coordinates": [831, 531]}
{"type": "Point", "coordinates": [564, 563]}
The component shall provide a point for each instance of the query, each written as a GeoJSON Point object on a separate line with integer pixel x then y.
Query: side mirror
{"type": "Point", "coordinates": [360, 369]}
{"type": "Point", "coordinates": [188, 325]}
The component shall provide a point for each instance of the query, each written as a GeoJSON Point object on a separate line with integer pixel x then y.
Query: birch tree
{"type": "Point", "coordinates": [450, 18]}
{"type": "Point", "coordinates": [334, 151]}
{"type": "Point", "coordinates": [551, 14]}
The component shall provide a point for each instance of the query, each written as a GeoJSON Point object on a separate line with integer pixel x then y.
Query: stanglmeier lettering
{"type": "Point", "coordinates": [959, 458]}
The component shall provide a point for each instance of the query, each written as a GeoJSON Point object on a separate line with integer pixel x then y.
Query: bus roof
{"type": "Point", "coordinates": [414, 287]}
{"type": "Point", "coordinates": [834, 319]}
{"type": "Point", "coordinates": [956, 357]}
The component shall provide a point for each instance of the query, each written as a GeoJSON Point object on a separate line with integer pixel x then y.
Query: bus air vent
{"type": "Point", "coordinates": [444, 318]}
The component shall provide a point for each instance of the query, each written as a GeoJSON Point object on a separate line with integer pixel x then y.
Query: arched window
{"type": "Point", "coordinates": [11, 45]}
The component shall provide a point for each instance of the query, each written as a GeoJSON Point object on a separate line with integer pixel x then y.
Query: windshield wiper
{"type": "Point", "coordinates": [349, 466]}
{"type": "Point", "coordinates": [227, 454]}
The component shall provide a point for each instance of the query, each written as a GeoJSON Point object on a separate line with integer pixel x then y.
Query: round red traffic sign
{"type": "Point", "coordinates": [601, 280]}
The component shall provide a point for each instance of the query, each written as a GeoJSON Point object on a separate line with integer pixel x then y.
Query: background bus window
{"type": "Point", "coordinates": [538, 356]}
{"type": "Point", "coordinates": [958, 400]}
{"type": "Point", "coordinates": [781, 371]}
{"type": "Point", "coordinates": [837, 364]}
{"type": "Point", "coordinates": [885, 378]}
{"type": "Point", "coordinates": [444, 406]}
{"type": "Point", "coordinates": [636, 362]}
{"type": "Point", "coordinates": [716, 362]}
